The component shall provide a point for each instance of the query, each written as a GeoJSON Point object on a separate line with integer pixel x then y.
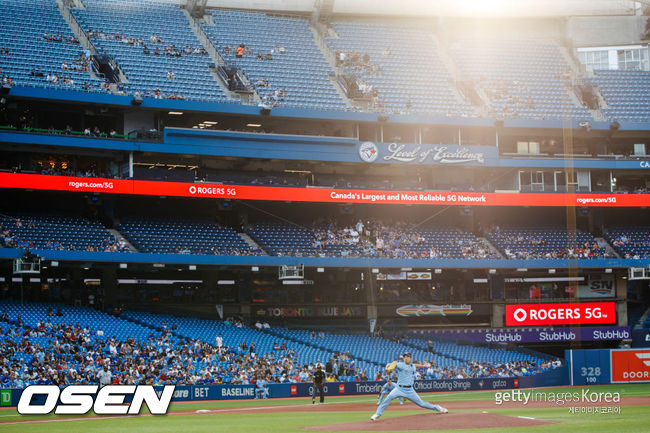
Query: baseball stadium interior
{"type": "Point", "coordinates": [190, 188]}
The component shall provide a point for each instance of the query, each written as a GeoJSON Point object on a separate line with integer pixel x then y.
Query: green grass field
{"type": "Point", "coordinates": [630, 419]}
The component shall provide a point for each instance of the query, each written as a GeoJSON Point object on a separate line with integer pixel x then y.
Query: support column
{"type": "Point", "coordinates": [369, 283]}
{"type": "Point", "coordinates": [498, 313]}
{"type": "Point", "coordinates": [109, 286]}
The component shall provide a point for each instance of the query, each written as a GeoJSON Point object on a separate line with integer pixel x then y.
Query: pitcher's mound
{"type": "Point", "coordinates": [433, 421]}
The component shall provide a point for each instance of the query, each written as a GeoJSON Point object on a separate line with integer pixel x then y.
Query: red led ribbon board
{"type": "Point", "coordinates": [321, 195]}
{"type": "Point", "coordinates": [583, 313]}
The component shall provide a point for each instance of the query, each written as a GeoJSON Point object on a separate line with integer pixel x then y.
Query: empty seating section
{"type": "Point", "coordinates": [302, 70]}
{"type": "Point", "coordinates": [409, 67]}
{"type": "Point", "coordinates": [449, 243]}
{"type": "Point", "coordinates": [146, 73]}
{"type": "Point", "coordinates": [369, 182]}
{"type": "Point", "coordinates": [21, 30]}
{"type": "Point", "coordinates": [522, 78]}
{"type": "Point", "coordinates": [467, 353]}
{"type": "Point", "coordinates": [317, 239]}
{"type": "Point", "coordinates": [243, 178]}
{"type": "Point", "coordinates": [56, 232]}
{"type": "Point", "coordinates": [163, 173]}
{"type": "Point", "coordinates": [549, 243]}
{"type": "Point", "coordinates": [112, 327]}
{"type": "Point", "coordinates": [233, 336]}
{"type": "Point", "coordinates": [183, 237]}
{"type": "Point", "coordinates": [630, 242]}
{"type": "Point", "coordinates": [627, 94]}
{"type": "Point", "coordinates": [370, 353]}
{"type": "Point", "coordinates": [283, 239]}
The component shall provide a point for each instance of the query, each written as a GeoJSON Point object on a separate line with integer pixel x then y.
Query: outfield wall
{"type": "Point", "coordinates": [606, 366]}
{"type": "Point", "coordinates": [558, 377]}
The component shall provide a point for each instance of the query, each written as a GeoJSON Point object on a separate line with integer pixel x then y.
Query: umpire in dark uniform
{"type": "Point", "coordinates": [319, 381]}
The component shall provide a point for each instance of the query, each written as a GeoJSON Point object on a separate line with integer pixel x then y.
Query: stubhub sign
{"type": "Point", "coordinates": [584, 313]}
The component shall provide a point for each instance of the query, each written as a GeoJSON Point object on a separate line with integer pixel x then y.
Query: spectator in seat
{"type": "Point", "coordinates": [240, 51]}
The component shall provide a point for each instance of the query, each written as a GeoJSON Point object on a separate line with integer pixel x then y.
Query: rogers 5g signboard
{"type": "Point", "coordinates": [583, 313]}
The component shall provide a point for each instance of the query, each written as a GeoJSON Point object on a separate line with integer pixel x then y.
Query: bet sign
{"type": "Point", "coordinates": [584, 313]}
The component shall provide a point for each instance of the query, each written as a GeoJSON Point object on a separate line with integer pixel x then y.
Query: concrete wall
{"type": "Point", "coordinates": [520, 28]}
{"type": "Point", "coordinates": [603, 31]}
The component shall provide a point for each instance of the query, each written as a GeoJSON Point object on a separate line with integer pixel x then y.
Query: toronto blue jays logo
{"type": "Point", "coordinates": [368, 151]}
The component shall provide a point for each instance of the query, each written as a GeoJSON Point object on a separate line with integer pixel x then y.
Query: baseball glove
{"type": "Point", "coordinates": [390, 367]}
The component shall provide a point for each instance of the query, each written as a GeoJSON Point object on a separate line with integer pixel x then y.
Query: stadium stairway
{"type": "Point", "coordinates": [318, 29]}
{"type": "Point", "coordinates": [456, 78]}
{"type": "Point", "coordinates": [78, 32]}
{"type": "Point", "coordinates": [143, 323]}
{"type": "Point", "coordinates": [494, 250]}
{"type": "Point", "coordinates": [252, 244]}
{"type": "Point", "coordinates": [195, 25]}
{"type": "Point", "coordinates": [119, 237]}
{"type": "Point", "coordinates": [603, 243]}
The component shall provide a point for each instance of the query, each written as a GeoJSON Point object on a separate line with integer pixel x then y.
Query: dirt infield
{"type": "Point", "coordinates": [456, 408]}
{"type": "Point", "coordinates": [451, 405]}
{"type": "Point", "coordinates": [429, 421]}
